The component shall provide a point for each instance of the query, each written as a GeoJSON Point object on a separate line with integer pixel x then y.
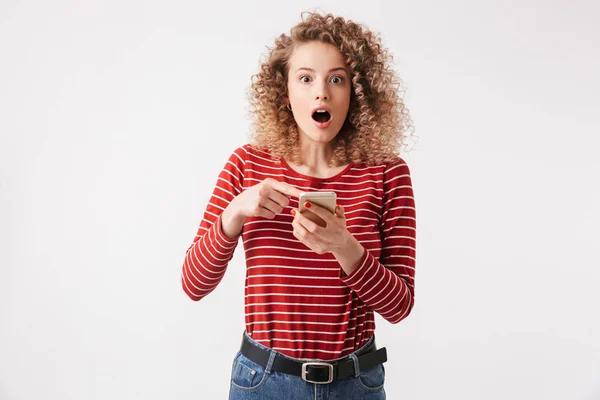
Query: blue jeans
{"type": "Point", "coordinates": [250, 381]}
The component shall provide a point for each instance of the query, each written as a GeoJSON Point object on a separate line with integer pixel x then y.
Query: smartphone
{"type": "Point", "coordinates": [327, 200]}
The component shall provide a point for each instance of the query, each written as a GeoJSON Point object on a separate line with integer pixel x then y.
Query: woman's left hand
{"type": "Point", "coordinates": [321, 240]}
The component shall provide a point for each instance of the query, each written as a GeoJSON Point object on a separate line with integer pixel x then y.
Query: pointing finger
{"type": "Point", "coordinates": [287, 189]}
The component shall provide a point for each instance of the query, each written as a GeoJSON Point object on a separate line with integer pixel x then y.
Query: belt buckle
{"type": "Point", "coordinates": [314, 363]}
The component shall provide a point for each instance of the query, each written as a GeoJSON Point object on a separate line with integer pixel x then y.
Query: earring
{"type": "Point", "coordinates": [289, 106]}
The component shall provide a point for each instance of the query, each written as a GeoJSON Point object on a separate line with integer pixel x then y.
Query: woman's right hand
{"type": "Point", "coordinates": [265, 199]}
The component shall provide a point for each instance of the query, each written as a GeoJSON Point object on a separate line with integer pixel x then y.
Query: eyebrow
{"type": "Point", "coordinates": [331, 70]}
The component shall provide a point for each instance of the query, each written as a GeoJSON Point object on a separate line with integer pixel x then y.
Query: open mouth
{"type": "Point", "coordinates": [321, 116]}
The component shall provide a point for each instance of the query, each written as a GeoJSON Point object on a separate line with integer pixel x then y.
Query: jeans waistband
{"type": "Point", "coordinates": [311, 370]}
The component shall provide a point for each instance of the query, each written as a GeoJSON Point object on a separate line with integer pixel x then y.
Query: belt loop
{"type": "Point", "coordinates": [356, 366]}
{"type": "Point", "coordinates": [270, 362]}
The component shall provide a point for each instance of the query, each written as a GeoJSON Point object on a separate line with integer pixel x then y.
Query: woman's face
{"type": "Point", "coordinates": [318, 76]}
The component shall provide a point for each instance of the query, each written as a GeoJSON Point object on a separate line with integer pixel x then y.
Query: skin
{"type": "Point", "coordinates": [317, 76]}
{"type": "Point", "coordinates": [334, 237]}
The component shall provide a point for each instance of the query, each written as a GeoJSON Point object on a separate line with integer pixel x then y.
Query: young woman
{"type": "Point", "coordinates": [328, 117]}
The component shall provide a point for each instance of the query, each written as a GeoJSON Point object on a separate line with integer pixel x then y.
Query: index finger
{"type": "Point", "coordinates": [287, 189]}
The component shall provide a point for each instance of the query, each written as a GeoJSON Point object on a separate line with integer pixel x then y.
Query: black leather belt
{"type": "Point", "coordinates": [315, 371]}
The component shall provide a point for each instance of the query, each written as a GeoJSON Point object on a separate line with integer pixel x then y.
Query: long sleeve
{"type": "Point", "coordinates": [209, 254]}
{"type": "Point", "coordinates": [386, 284]}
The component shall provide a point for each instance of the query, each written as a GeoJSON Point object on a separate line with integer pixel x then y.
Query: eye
{"type": "Point", "coordinates": [335, 79]}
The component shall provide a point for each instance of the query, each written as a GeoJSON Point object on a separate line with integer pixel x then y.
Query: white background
{"type": "Point", "coordinates": [117, 116]}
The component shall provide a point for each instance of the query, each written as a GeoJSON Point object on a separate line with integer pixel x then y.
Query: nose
{"type": "Point", "coordinates": [322, 92]}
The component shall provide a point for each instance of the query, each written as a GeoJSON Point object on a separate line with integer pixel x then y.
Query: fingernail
{"type": "Point", "coordinates": [293, 212]}
{"type": "Point", "coordinates": [306, 204]}
{"type": "Point", "coordinates": [337, 207]}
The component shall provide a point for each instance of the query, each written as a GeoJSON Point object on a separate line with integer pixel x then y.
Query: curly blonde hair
{"type": "Point", "coordinates": [378, 123]}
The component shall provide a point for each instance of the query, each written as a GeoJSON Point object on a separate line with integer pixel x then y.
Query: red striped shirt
{"type": "Point", "coordinates": [298, 302]}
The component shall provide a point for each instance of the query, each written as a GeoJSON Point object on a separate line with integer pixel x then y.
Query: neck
{"type": "Point", "coordinates": [315, 155]}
